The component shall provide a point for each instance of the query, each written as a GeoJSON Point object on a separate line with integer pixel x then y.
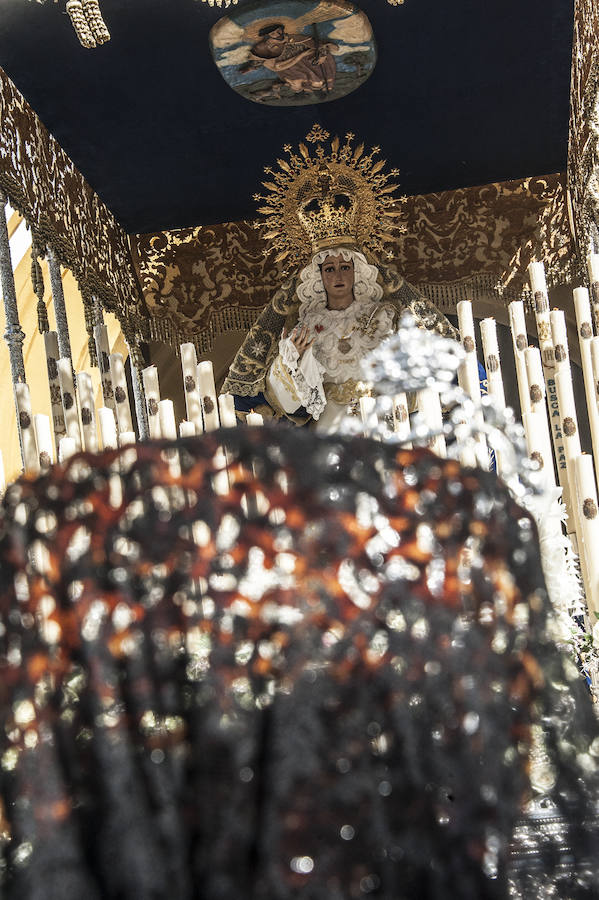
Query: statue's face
{"type": "Point", "coordinates": [338, 277]}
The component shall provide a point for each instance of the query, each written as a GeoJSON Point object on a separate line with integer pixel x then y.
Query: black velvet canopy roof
{"type": "Point", "coordinates": [464, 93]}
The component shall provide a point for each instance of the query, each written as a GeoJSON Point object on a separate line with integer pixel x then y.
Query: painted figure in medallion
{"type": "Point", "coordinates": [301, 61]}
{"type": "Point", "coordinates": [294, 52]}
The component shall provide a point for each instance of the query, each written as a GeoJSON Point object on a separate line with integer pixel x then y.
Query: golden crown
{"type": "Point", "coordinates": [330, 198]}
{"type": "Point", "coordinates": [329, 218]}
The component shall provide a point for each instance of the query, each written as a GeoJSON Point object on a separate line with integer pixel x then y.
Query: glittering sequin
{"type": "Point", "coordinates": [320, 680]}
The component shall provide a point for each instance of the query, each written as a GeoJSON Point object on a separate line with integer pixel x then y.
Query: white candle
{"type": "Point", "coordinates": [593, 267]}
{"type": "Point", "coordinates": [520, 343]}
{"type": "Point", "coordinates": [582, 308]}
{"type": "Point", "coordinates": [168, 424]}
{"type": "Point", "coordinates": [518, 325]}
{"type": "Point", "coordinates": [66, 449]}
{"type": "Point", "coordinates": [107, 428]}
{"type": "Point", "coordinates": [536, 274]}
{"type": "Point", "coordinates": [126, 438]}
{"type": "Point", "coordinates": [69, 400]}
{"type": "Point", "coordinates": [534, 370]}
{"type": "Point", "coordinates": [254, 419]}
{"type": "Point", "coordinates": [186, 429]}
{"type": "Point", "coordinates": [541, 441]}
{"type": "Point", "coordinates": [469, 378]}
{"type": "Point", "coordinates": [559, 336]}
{"type": "Point", "coordinates": [589, 525]}
{"type": "Point", "coordinates": [52, 355]}
{"type": "Point", "coordinates": [401, 419]}
{"type": "Point", "coordinates": [43, 439]}
{"type": "Point", "coordinates": [465, 319]}
{"type": "Point", "coordinates": [429, 406]}
{"type": "Point", "coordinates": [152, 395]}
{"type": "Point", "coordinates": [193, 404]}
{"type": "Point", "coordinates": [466, 446]}
{"type": "Point", "coordinates": [228, 419]}
{"type": "Point", "coordinates": [571, 440]}
{"type": "Point", "coordinates": [468, 374]}
{"type": "Point", "coordinates": [88, 412]}
{"type": "Point", "coordinates": [367, 407]}
{"type": "Point", "coordinates": [208, 395]}
{"type": "Point", "coordinates": [488, 333]}
{"type": "Point", "coordinates": [31, 463]}
{"type": "Point", "coordinates": [121, 393]}
{"type": "Point", "coordinates": [538, 444]}
{"type": "Point", "coordinates": [220, 481]}
{"type": "Point", "coordinates": [103, 354]}
{"type": "Point", "coordinates": [226, 408]}
{"type": "Point", "coordinates": [594, 343]}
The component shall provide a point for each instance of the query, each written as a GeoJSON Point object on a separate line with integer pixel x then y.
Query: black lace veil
{"type": "Point", "coordinates": [320, 673]}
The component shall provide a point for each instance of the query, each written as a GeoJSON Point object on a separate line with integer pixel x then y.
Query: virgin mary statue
{"type": "Point", "coordinates": [301, 359]}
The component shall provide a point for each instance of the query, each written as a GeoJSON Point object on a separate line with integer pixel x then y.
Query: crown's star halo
{"type": "Point", "coordinates": [328, 196]}
{"type": "Point", "coordinates": [317, 134]}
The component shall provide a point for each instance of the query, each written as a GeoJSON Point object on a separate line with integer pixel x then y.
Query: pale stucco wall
{"type": "Point", "coordinates": [33, 347]}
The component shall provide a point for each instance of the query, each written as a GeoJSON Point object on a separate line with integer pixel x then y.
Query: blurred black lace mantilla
{"type": "Point", "coordinates": [413, 360]}
{"type": "Point", "coordinates": [331, 696]}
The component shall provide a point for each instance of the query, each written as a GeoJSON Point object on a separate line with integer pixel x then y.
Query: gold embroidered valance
{"type": "Point", "coordinates": [459, 244]}
{"type": "Point", "coordinates": [62, 209]}
{"type": "Point", "coordinates": [583, 152]}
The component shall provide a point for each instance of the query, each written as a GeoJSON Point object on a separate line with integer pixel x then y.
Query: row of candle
{"type": "Point", "coordinates": [548, 406]}
{"type": "Point", "coordinates": [78, 425]}
{"type": "Point", "coordinates": [544, 384]}
{"type": "Point", "coordinates": [205, 410]}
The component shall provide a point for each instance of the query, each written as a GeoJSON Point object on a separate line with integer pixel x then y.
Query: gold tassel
{"type": "Point", "coordinates": [80, 23]}
{"type": "Point", "coordinates": [95, 21]}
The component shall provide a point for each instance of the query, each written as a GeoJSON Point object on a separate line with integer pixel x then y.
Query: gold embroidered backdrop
{"type": "Point", "coordinates": [460, 244]}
